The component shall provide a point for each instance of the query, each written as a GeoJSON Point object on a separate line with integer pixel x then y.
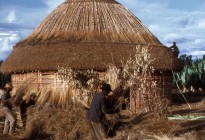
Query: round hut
{"type": "Point", "coordinates": [85, 34]}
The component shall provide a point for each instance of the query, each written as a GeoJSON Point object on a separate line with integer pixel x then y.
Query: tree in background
{"type": "Point", "coordinates": [4, 77]}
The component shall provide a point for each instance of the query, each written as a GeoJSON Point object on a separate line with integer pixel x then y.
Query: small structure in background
{"type": "Point", "coordinates": [203, 56]}
{"type": "Point", "coordinates": [175, 49]}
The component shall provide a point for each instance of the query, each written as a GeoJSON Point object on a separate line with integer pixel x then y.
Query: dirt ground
{"type": "Point", "coordinates": [143, 127]}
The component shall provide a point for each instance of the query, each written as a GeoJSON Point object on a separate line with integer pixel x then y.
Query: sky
{"type": "Point", "coordinates": [180, 21]}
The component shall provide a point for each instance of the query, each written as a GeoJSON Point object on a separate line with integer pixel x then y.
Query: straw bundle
{"type": "Point", "coordinates": [55, 98]}
{"type": "Point", "coordinates": [49, 123]}
{"type": "Point", "coordinates": [23, 91]}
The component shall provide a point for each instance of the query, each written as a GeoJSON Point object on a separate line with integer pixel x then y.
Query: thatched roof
{"type": "Point", "coordinates": [86, 34]}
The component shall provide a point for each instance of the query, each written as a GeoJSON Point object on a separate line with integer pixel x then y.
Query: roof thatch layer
{"type": "Point", "coordinates": [92, 21]}
{"type": "Point", "coordinates": [86, 34]}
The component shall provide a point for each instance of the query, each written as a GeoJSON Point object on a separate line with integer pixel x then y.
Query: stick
{"type": "Point", "coordinates": [181, 92]}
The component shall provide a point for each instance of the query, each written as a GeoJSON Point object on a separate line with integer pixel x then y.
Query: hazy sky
{"type": "Point", "coordinates": [182, 21]}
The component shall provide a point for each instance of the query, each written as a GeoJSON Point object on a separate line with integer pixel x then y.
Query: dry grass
{"type": "Point", "coordinates": [135, 78]}
{"type": "Point", "coordinates": [54, 98]}
{"type": "Point", "coordinates": [186, 136]}
{"type": "Point", "coordinates": [56, 124]}
{"type": "Point", "coordinates": [22, 91]}
{"type": "Point", "coordinates": [135, 73]}
{"type": "Point", "coordinates": [82, 84]}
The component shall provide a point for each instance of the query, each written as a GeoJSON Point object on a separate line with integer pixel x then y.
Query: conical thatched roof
{"type": "Point", "coordinates": [86, 34]}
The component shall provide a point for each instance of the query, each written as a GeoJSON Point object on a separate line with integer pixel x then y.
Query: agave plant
{"type": "Point", "coordinates": [192, 77]}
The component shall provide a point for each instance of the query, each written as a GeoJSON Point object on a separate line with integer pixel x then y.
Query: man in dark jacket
{"type": "Point", "coordinates": [10, 120]}
{"type": "Point", "coordinates": [97, 111]}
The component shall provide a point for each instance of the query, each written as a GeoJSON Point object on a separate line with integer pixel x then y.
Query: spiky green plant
{"type": "Point", "coordinates": [192, 77]}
